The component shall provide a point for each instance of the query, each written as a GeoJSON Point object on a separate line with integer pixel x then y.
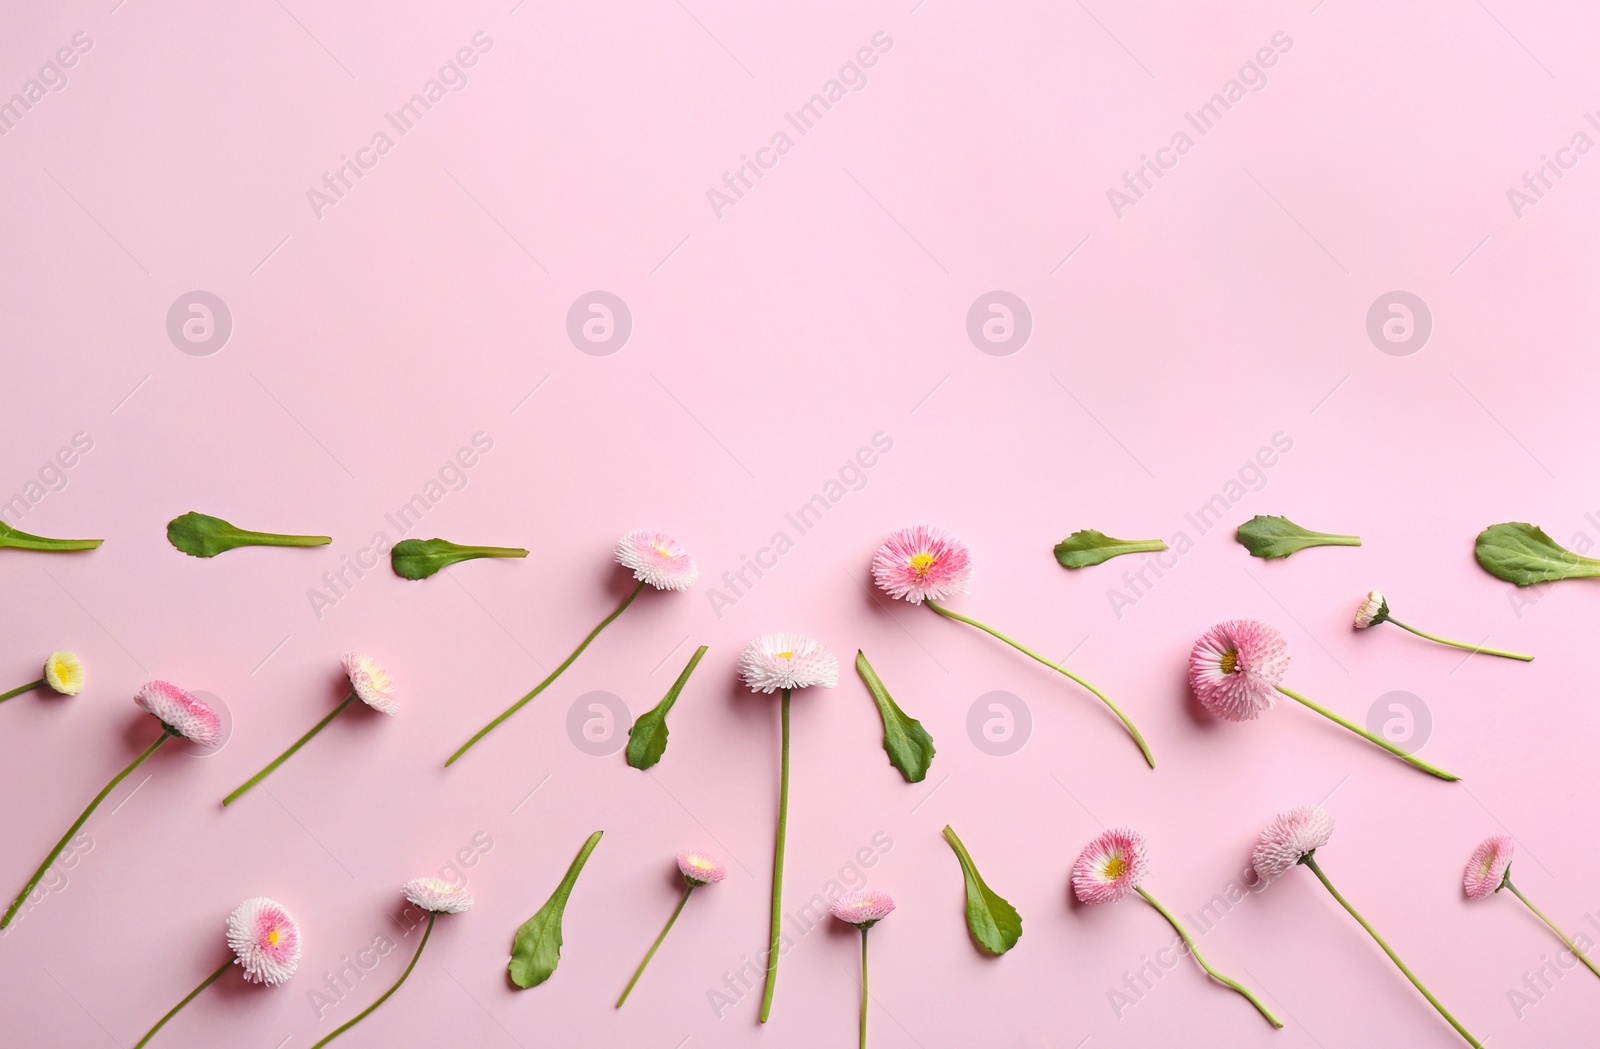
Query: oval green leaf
{"type": "Point", "coordinates": [1523, 554]}
{"type": "Point", "coordinates": [536, 951]}
{"type": "Point", "coordinates": [1269, 537]}
{"type": "Point", "coordinates": [647, 739]}
{"type": "Point", "coordinates": [908, 744]}
{"type": "Point", "coordinates": [993, 922]}
{"type": "Point", "coordinates": [420, 558]}
{"type": "Point", "coordinates": [1089, 547]}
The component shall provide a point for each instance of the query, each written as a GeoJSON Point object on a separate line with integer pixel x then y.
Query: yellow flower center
{"type": "Point", "coordinates": [1114, 867]}
{"type": "Point", "coordinates": [663, 551]}
{"type": "Point", "coordinates": [1230, 662]}
{"type": "Point", "coordinates": [922, 563]}
{"type": "Point", "coordinates": [272, 938]}
{"type": "Point", "coordinates": [785, 655]}
{"type": "Point", "coordinates": [63, 670]}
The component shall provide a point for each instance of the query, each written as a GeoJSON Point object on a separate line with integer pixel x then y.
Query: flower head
{"type": "Point", "coordinates": [1374, 610]}
{"type": "Point", "coordinates": [700, 868]}
{"type": "Point", "coordinates": [266, 939]}
{"type": "Point", "coordinates": [1488, 868]}
{"type": "Point", "coordinates": [863, 909]}
{"type": "Point", "coordinates": [371, 682]}
{"type": "Point", "coordinates": [1110, 867]}
{"type": "Point", "coordinates": [921, 562]}
{"type": "Point", "coordinates": [1290, 838]}
{"type": "Point", "coordinates": [63, 672]}
{"type": "Point", "coordinates": [1235, 667]}
{"type": "Point", "coordinates": [658, 560]}
{"type": "Point", "coordinates": [774, 661]}
{"type": "Point", "coordinates": [438, 896]}
{"type": "Point", "coordinates": [182, 712]}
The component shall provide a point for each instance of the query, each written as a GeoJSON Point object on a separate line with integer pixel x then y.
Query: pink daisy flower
{"type": "Point", "coordinates": [920, 562]}
{"type": "Point", "coordinates": [1235, 668]}
{"type": "Point", "coordinates": [658, 560]}
{"type": "Point", "coordinates": [181, 712]}
{"type": "Point", "coordinates": [863, 909]}
{"type": "Point", "coordinates": [266, 940]}
{"type": "Point", "coordinates": [1373, 609]}
{"type": "Point", "coordinates": [438, 896]}
{"type": "Point", "coordinates": [1487, 869]}
{"type": "Point", "coordinates": [787, 661]}
{"type": "Point", "coordinates": [1288, 839]}
{"type": "Point", "coordinates": [1110, 867]}
{"type": "Point", "coordinates": [371, 682]}
{"type": "Point", "coordinates": [700, 868]}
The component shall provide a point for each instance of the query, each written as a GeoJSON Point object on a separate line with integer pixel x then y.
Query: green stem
{"type": "Point", "coordinates": [541, 686]}
{"type": "Point", "coordinates": [20, 689]}
{"type": "Point", "coordinates": [274, 539]}
{"type": "Point", "coordinates": [1460, 644]}
{"type": "Point", "coordinates": [777, 865]}
{"type": "Point", "coordinates": [1310, 861]}
{"type": "Point", "coordinates": [281, 758]}
{"type": "Point", "coordinates": [207, 982]}
{"type": "Point", "coordinates": [362, 1015]}
{"type": "Point", "coordinates": [490, 551]}
{"type": "Point", "coordinates": [11, 537]}
{"type": "Point", "coordinates": [1195, 951]}
{"type": "Point", "coordinates": [1358, 730]}
{"type": "Point", "coordinates": [1570, 945]}
{"type": "Point", "coordinates": [864, 987]}
{"type": "Point", "coordinates": [687, 889]}
{"type": "Point", "coordinates": [1025, 650]}
{"type": "Point", "coordinates": [77, 825]}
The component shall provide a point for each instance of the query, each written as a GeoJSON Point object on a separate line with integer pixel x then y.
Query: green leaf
{"type": "Point", "coordinates": [1089, 547]}
{"type": "Point", "coordinates": [201, 535]}
{"type": "Point", "coordinates": [536, 951]}
{"type": "Point", "coordinates": [1523, 554]}
{"type": "Point", "coordinates": [20, 540]}
{"type": "Point", "coordinates": [994, 923]}
{"type": "Point", "coordinates": [420, 558]}
{"type": "Point", "coordinates": [647, 739]}
{"type": "Point", "coordinates": [907, 743]}
{"type": "Point", "coordinates": [1269, 537]}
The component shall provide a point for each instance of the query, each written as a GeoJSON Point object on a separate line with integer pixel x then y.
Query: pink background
{"type": "Point", "coordinates": [768, 345]}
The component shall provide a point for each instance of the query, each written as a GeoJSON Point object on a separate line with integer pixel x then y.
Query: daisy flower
{"type": "Point", "coordinates": [1236, 671]}
{"type": "Point", "coordinates": [369, 683]}
{"type": "Point", "coordinates": [1489, 870]}
{"type": "Point", "coordinates": [863, 909]}
{"type": "Point", "coordinates": [698, 868]}
{"type": "Point", "coordinates": [924, 565]}
{"type": "Point", "coordinates": [1110, 868]}
{"type": "Point", "coordinates": [266, 944]}
{"type": "Point", "coordinates": [434, 896]}
{"type": "Point", "coordinates": [181, 713]}
{"type": "Point", "coordinates": [1291, 840]}
{"type": "Point", "coordinates": [63, 672]}
{"type": "Point", "coordinates": [782, 663]}
{"type": "Point", "coordinates": [1374, 610]}
{"type": "Point", "coordinates": [656, 561]}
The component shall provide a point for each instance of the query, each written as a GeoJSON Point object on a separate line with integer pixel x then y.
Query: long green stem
{"type": "Point", "coordinates": [687, 889]}
{"type": "Point", "coordinates": [207, 982]}
{"type": "Point", "coordinates": [864, 987]}
{"type": "Point", "coordinates": [1025, 650]}
{"type": "Point", "coordinates": [1195, 951]}
{"type": "Point", "coordinates": [77, 825]}
{"type": "Point", "coordinates": [281, 758]}
{"type": "Point", "coordinates": [1310, 861]}
{"type": "Point", "coordinates": [362, 1015]}
{"type": "Point", "coordinates": [777, 864]}
{"type": "Point", "coordinates": [1460, 644]}
{"type": "Point", "coordinates": [1432, 770]}
{"type": "Point", "coordinates": [20, 689]}
{"type": "Point", "coordinates": [274, 539]}
{"type": "Point", "coordinates": [541, 686]}
{"type": "Point", "coordinates": [1553, 928]}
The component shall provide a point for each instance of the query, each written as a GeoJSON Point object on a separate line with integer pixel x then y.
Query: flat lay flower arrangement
{"type": "Point", "coordinates": [1236, 672]}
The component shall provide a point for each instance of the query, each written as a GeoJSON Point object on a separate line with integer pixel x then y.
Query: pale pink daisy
{"type": "Point", "coordinates": [658, 560]}
{"type": "Point", "coordinates": [1235, 667]}
{"type": "Point", "coordinates": [1288, 839]}
{"type": "Point", "coordinates": [1110, 867]}
{"type": "Point", "coordinates": [921, 562]}
{"type": "Point", "coordinates": [787, 661]}
{"type": "Point", "coordinates": [266, 940]}
{"type": "Point", "coordinates": [438, 896]}
{"type": "Point", "coordinates": [863, 909]}
{"type": "Point", "coordinates": [182, 712]}
{"type": "Point", "coordinates": [371, 682]}
{"type": "Point", "coordinates": [1487, 869]}
{"type": "Point", "coordinates": [700, 868]}
{"type": "Point", "coordinates": [1373, 609]}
